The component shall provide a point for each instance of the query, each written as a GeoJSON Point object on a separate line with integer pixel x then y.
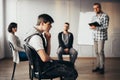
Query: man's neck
{"type": "Point", "coordinates": [65, 32]}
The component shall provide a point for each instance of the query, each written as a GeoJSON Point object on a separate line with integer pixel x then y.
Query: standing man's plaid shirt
{"type": "Point", "coordinates": [100, 33]}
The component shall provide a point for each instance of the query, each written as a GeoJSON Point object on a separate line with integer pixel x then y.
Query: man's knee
{"type": "Point", "coordinates": [60, 50]}
{"type": "Point", "coordinates": [73, 52]}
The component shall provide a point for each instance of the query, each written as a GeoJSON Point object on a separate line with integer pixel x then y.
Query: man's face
{"type": "Point", "coordinates": [66, 27]}
{"type": "Point", "coordinates": [47, 26]}
{"type": "Point", "coordinates": [97, 9]}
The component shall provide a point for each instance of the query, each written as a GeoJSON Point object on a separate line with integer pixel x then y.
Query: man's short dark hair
{"type": "Point", "coordinates": [67, 23]}
{"type": "Point", "coordinates": [12, 25]}
{"type": "Point", "coordinates": [97, 4]}
{"type": "Point", "coordinates": [44, 18]}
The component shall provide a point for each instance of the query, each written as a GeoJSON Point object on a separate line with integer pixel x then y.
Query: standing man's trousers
{"type": "Point", "coordinates": [99, 50]}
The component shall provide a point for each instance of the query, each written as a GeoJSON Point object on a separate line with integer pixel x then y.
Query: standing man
{"type": "Point", "coordinates": [100, 35]}
{"type": "Point", "coordinates": [65, 39]}
{"type": "Point", "coordinates": [41, 43]}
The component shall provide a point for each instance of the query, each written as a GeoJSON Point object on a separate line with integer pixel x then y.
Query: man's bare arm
{"type": "Point", "coordinates": [44, 56]}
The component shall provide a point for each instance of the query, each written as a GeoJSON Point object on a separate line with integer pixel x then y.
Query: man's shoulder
{"type": "Point", "coordinates": [35, 39]}
{"type": "Point", "coordinates": [70, 33]}
{"type": "Point", "coordinates": [60, 32]}
{"type": "Point", "coordinates": [35, 35]}
{"type": "Point", "coordinates": [32, 37]}
{"type": "Point", "coordinates": [105, 14]}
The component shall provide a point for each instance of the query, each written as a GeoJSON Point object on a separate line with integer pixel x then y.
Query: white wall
{"type": "Point", "coordinates": [112, 9]}
{"type": "Point", "coordinates": [25, 13]}
{"type": "Point", "coordinates": [1, 29]}
{"type": "Point", "coordinates": [113, 44]}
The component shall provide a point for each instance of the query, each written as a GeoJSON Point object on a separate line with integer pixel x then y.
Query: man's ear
{"type": "Point", "coordinates": [42, 23]}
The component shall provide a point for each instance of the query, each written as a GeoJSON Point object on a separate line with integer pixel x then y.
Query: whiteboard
{"type": "Point", "coordinates": [85, 34]}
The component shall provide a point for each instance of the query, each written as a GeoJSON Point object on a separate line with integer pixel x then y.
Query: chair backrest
{"type": "Point", "coordinates": [11, 47]}
{"type": "Point", "coordinates": [33, 57]}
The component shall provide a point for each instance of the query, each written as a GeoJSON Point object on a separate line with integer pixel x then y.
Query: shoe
{"type": "Point", "coordinates": [101, 71]}
{"type": "Point", "coordinates": [96, 69]}
{"type": "Point", "coordinates": [36, 75]}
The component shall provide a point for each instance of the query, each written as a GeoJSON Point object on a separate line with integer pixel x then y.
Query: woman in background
{"type": "Point", "coordinates": [18, 51]}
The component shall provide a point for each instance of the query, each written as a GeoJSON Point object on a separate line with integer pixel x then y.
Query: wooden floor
{"type": "Point", "coordinates": [83, 66]}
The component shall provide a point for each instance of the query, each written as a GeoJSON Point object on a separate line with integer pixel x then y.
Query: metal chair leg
{"type": "Point", "coordinates": [31, 72]}
{"type": "Point", "coordinates": [13, 71]}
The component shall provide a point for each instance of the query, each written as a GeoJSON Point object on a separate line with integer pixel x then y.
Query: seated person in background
{"type": "Point", "coordinates": [18, 51]}
{"type": "Point", "coordinates": [65, 39]}
{"type": "Point", "coordinates": [42, 46]}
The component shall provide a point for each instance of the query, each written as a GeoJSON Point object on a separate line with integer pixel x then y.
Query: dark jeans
{"type": "Point", "coordinates": [22, 56]}
{"type": "Point", "coordinates": [61, 68]}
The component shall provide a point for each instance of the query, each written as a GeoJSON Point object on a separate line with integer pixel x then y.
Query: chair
{"type": "Point", "coordinates": [33, 57]}
{"type": "Point", "coordinates": [14, 65]}
{"type": "Point", "coordinates": [66, 54]}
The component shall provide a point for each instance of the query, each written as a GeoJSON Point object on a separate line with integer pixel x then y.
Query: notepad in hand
{"type": "Point", "coordinates": [94, 24]}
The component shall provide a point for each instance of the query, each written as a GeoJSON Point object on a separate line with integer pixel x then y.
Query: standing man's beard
{"type": "Point", "coordinates": [98, 12]}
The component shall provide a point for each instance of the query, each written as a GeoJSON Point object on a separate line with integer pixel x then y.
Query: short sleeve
{"type": "Point", "coordinates": [36, 42]}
